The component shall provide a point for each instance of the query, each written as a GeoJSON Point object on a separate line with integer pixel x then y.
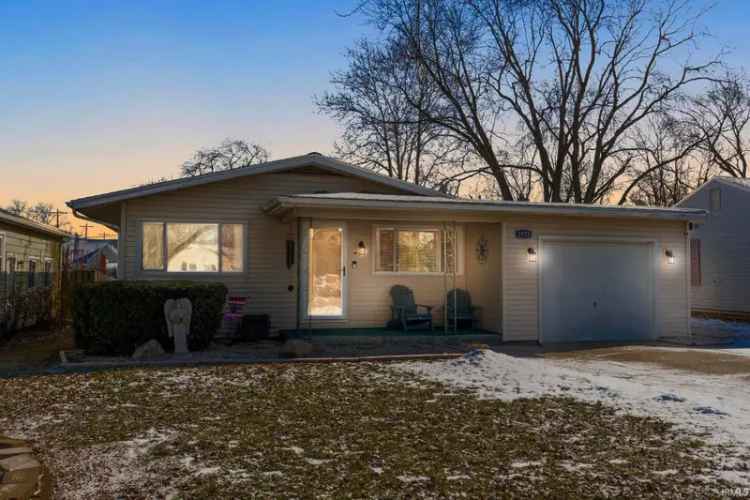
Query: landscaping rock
{"type": "Point", "coordinates": [20, 469]}
{"type": "Point", "coordinates": [295, 349]}
{"type": "Point", "coordinates": [151, 349]}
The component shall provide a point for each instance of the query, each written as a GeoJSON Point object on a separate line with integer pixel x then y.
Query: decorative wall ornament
{"type": "Point", "coordinates": [177, 312]}
{"type": "Point", "coordinates": [483, 249]}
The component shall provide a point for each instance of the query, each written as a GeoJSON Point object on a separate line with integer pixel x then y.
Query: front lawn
{"type": "Point", "coordinates": [335, 430]}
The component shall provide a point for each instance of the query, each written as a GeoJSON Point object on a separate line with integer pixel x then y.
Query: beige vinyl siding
{"type": "Point", "coordinates": [725, 250]}
{"type": "Point", "coordinates": [521, 278]}
{"type": "Point", "coordinates": [266, 278]}
{"type": "Point", "coordinates": [23, 244]}
{"type": "Point", "coordinates": [484, 280]}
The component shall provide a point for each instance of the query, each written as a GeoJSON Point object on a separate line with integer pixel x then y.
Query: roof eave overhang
{"type": "Point", "coordinates": [282, 205]}
{"type": "Point", "coordinates": [33, 226]}
{"type": "Point", "coordinates": [78, 214]}
{"type": "Point", "coordinates": [324, 163]}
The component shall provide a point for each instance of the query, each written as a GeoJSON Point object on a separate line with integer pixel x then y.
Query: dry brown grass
{"type": "Point", "coordinates": [698, 361]}
{"type": "Point", "coordinates": [337, 430]}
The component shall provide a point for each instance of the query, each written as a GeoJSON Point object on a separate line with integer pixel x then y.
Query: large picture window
{"type": "Point", "coordinates": [192, 247]}
{"type": "Point", "coordinates": [417, 250]}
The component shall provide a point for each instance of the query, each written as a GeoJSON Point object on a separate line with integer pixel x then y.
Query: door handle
{"type": "Point", "coordinates": [343, 271]}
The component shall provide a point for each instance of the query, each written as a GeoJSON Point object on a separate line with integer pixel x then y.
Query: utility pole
{"type": "Point", "coordinates": [104, 235]}
{"type": "Point", "coordinates": [57, 213]}
{"type": "Point", "coordinates": [86, 230]}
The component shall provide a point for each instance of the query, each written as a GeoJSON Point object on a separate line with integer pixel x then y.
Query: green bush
{"type": "Point", "coordinates": [115, 317]}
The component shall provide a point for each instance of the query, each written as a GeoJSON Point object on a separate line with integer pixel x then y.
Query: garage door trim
{"type": "Point", "coordinates": [654, 247]}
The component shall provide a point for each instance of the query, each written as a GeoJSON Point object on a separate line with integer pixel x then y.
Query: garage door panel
{"type": "Point", "coordinates": [596, 291]}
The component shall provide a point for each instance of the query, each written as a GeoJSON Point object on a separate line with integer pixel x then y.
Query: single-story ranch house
{"type": "Point", "coordinates": [720, 248]}
{"type": "Point", "coordinates": [318, 243]}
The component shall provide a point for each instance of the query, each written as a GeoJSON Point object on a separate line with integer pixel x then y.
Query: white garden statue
{"type": "Point", "coordinates": [177, 313]}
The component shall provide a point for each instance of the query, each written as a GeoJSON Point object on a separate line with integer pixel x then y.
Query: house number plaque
{"type": "Point", "coordinates": [523, 234]}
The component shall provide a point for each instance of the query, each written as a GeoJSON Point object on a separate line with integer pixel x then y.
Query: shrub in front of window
{"type": "Point", "coordinates": [115, 317]}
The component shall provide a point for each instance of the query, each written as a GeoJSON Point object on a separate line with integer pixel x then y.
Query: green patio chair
{"type": "Point", "coordinates": [406, 312]}
{"type": "Point", "coordinates": [460, 309]}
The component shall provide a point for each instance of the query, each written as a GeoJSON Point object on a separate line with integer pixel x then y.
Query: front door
{"type": "Point", "coordinates": [327, 271]}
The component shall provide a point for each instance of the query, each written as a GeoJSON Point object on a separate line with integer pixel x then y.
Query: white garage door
{"type": "Point", "coordinates": [596, 291]}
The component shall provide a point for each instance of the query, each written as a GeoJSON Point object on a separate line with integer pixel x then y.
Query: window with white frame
{"type": "Point", "coordinates": [197, 247]}
{"type": "Point", "coordinates": [418, 250]}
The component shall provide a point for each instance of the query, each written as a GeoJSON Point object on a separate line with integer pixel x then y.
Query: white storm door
{"type": "Point", "coordinates": [326, 275]}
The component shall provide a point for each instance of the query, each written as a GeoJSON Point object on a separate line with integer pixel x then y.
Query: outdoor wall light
{"type": "Point", "coordinates": [532, 255]}
{"type": "Point", "coordinates": [670, 256]}
{"type": "Point", "coordinates": [361, 249]}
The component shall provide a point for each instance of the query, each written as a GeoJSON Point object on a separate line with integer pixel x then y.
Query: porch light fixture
{"type": "Point", "coordinates": [532, 255]}
{"type": "Point", "coordinates": [670, 256]}
{"type": "Point", "coordinates": [361, 249]}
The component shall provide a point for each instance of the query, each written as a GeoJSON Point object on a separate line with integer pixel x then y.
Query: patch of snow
{"type": "Point", "coordinates": [705, 325]}
{"type": "Point", "coordinates": [317, 461]}
{"type": "Point", "coordinates": [376, 470]}
{"type": "Point", "coordinates": [458, 477]}
{"type": "Point", "coordinates": [412, 479]}
{"type": "Point", "coordinates": [207, 471]}
{"type": "Point", "coordinates": [523, 465]}
{"type": "Point", "coordinates": [715, 406]}
{"type": "Point", "coordinates": [667, 472]}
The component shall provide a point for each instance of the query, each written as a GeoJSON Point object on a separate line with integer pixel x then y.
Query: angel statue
{"type": "Point", "coordinates": [177, 313]}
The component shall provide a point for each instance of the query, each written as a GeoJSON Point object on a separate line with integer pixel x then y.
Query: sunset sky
{"type": "Point", "coordinates": [98, 96]}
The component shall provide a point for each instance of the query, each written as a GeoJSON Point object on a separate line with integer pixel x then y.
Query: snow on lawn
{"type": "Point", "coordinates": [735, 334]}
{"type": "Point", "coordinates": [737, 329]}
{"type": "Point", "coordinates": [717, 406]}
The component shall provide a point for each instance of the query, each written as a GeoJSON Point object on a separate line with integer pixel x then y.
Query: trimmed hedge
{"type": "Point", "coordinates": [115, 317]}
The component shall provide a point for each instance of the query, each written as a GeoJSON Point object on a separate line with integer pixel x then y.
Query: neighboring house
{"type": "Point", "coordinates": [720, 246]}
{"type": "Point", "coordinates": [30, 248]}
{"type": "Point", "coordinates": [318, 243]}
{"type": "Point", "coordinates": [89, 254]}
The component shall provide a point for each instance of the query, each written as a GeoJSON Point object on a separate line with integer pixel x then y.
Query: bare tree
{"type": "Point", "coordinates": [574, 78]}
{"type": "Point", "coordinates": [229, 155]}
{"type": "Point", "coordinates": [382, 129]}
{"type": "Point", "coordinates": [18, 207]}
{"type": "Point", "coordinates": [722, 114]}
{"type": "Point", "coordinates": [42, 212]}
{"type": "Point", "coordinates": [666, 163]}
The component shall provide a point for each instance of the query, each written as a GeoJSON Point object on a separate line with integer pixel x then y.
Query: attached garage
{"type": "Point", "coordinates": [621, 276]}
{"type": "Point", "coordinates": [596, 290]}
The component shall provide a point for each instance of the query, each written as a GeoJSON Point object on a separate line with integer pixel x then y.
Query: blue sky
{"type": "Point", "coordinates": [96, 96]}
